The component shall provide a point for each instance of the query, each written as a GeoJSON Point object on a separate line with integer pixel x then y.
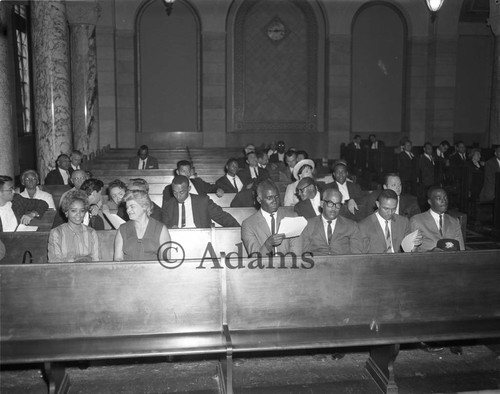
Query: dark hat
{"type": "Point", "coordinates": [448, 244]}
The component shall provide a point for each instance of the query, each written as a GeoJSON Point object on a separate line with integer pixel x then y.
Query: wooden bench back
{"type": "Point", "coordinates": [90, 300]}
{"type": "Point", "coordinates": [371, 291]}
{"type": "Point", "coordinates": [193, 241]}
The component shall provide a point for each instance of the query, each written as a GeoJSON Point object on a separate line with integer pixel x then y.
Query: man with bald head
{"type": "Point", "coordinates": [310, 198]}
{"type": "Point", "coordinates": [260, 232]}
{"type": "Point", "coordinates": [330, 233]}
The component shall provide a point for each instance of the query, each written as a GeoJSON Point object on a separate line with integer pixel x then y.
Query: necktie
{"type": "Point", "coordinates": [441, 225]}
{"type": "Point", "coordinates": [329, 231]}
{"type": "Point", "coordinates": [273, 224]}
{"type": "Point", "coordinates": [235, 185]}
{"type": "Point", "coordinates": [183, 216]}
{"type": "Point", "coordinates": [388, 237]}
{"type": "Point", "coordinates": [256, 172]}
{"type": "Point", "coordinates": [462, 155]}
{"type": "Point", "coordinates": [143, 164]}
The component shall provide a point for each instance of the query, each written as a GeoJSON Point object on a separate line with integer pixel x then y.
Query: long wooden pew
{"type": "Point", "coordinates": [379, 301]}
{"type": "Point", "coordinates": [56, 313]}
{"type": "Point", "coordinates": [186, 243]}
{"type": "Point", "coordinates": [66, 312]}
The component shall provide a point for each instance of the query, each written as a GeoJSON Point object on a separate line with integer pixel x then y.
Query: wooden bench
{"type": "Point", "coordinates": [376, 301]}
{"type": "Point", "coordinates": [221, 239]}
{"type": "Point", "coordinates": [57, 313]}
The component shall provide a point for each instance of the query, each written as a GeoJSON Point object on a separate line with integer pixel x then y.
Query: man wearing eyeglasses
{"type": "Point", "coordinates": [310, 198]}
{"type": "Point", "coordinates": [330, 233]}
{"type": "Point", "coordinates": [383, 231]}
{"type": "Point", "coordinates": [260, 232]}
{"type": "Point", "coordinates": [14, 209]}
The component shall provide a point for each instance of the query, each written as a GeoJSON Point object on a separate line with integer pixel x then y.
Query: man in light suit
{"type": "Point", "coordinates": [143, 161]}
{"type": "Point", "coordinates": [491, 167]}
{"type": "Point", "coordinates": [383, 231]}
{"type": "Point", "coordinates": [259, 232]}
{"type": "Point", "coordinates": [310, 197]}
{"type": "Point", "coordinates": [435, 224]}
{"type": "Point", "coordinates": [330, 233]}
{"type": "Point", "coordinates": [187, 210]}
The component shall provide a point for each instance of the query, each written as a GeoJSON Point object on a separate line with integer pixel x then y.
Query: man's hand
{"type": "Point", "coordinates": [417, 241]}
{"type": "Point", "coordinates": [275, 240]}
{"type": "Point", "coordinates": [352, 206]}
{"type": "Point", "coordinates": [219, 193]}
{"type": "Point", "coordinates": [27, 218]}
{"type": "Point", "coordinates": [94, 210]}
{"type": "Point", "coordinates": [249, 186]}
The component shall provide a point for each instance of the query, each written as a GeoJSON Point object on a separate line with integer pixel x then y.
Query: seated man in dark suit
{"type": "Point", "coordinates": [76, 161]}
{"type": "Point", "coordinates": [15, 209]}
{"type": "Point", "coordinates": [143, 161]}
{"type": "Point", "coordinates": [407, 204]}
{"type": "Point", "coordinates": [252, 174]}
{"type": "Point", "coordinates": [231, 183]}
{"type": "Point", "coordinates": [61, 175]}
{"type": "Point", "coordinates": [197, 185]}
{"type": "Point", "coordinates": [286, 173]}
{"type": "Point", "coordinates": [310, 199]}
{"type": "Point", "coordinates": [374, 143]}
{"type": "Point", "coordinates": [330, 233]}
{"type": "Point", "coordinates": [279, 155]}
{"type": "Point", "coordinates": [190, 210]}
{"type": "Point", "coordinates": [242, 161]}
{"type": "Point", "coordinates": [351, 192]}
{"type": "Point", "coordinates": [426, 167]}
{"type": "Point", "coordinates": [436, 224]}
{"type": "Point", "coordinates": [259, 232]}
{"type": "Point", "coordinates": [383, 231]}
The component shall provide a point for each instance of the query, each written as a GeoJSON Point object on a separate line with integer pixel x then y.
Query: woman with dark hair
{"type": "Point", "coordinates": [140, 237]}
{"type": "Point", "coordinates": [95, 218]}
{"type": "Point", "coordinates": [117, 190]}
{"type": "Point", "coordinates": [73, 241]}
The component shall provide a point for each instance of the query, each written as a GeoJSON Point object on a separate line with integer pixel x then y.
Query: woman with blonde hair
{"type": "Point", "coordinates": [140, 237]}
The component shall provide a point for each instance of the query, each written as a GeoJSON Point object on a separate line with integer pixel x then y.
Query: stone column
{"type": "Point", "coordinates": [7, 129]}
{"type": "Point", "coordinates": [82, 17]}
{"type": "Point", "coordinates": [51, 82]}
{"type": "Point", "coordinates": [494, 22]}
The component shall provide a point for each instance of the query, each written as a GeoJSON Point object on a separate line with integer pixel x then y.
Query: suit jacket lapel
{"type": "Point", "coordinates": [378, 228]}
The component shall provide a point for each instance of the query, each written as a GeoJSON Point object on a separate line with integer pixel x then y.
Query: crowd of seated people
{"type": "Point", "coordinates": [342, 217]}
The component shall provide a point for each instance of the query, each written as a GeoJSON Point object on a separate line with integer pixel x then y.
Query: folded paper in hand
{"type": "Point", "coordinates": [115, 220]}
{"type": "Point", "coordinates": [292, 227]}
{"type": "Point", "coordinates": [23, 227]}
{"type": "Point", "coordinates": [407, 242]}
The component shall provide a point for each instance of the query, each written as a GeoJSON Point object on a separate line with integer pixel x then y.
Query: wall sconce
{"type": "Point", "coordinates": [168, 6]}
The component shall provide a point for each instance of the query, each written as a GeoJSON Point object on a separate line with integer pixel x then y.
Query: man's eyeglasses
{"type": "Point", "coordinates": [302, 189]}
{"type": "Point", "coordinates": [331, 204]}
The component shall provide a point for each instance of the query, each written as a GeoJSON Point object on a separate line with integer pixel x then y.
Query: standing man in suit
{"type": "Point", "coordinates": [407, 166]}
{"type": "Point", "coordinates": [252, 174]}
{"type": "Point", "coordinates": [197, 185]}
{"type": "Point", "coordinates": [442, 162]}
{"type": "Point", "coordinates": [426, 174]}
{"type": "Point", "coordinates": [436, 224]}
{"type": "Point", "coordinates": [143, 161]}
{"type": "Point", "coordinates": [310, 203]}
{"type": "Point", "coordinates": [279, 155]}
{"type": "Point", "coordinates": [384, 230]}
{"type": "Point", "coordinates": [330, 233]}
{"type": "Point", "coordinates": [259, 232]}
{"type": "Point", "coordinates": [491, 167]}
{"type": "Point", "coordinates": [188, 210]}
{"type": "Point", "coordinates": [61, 175]}
{"type": "Point", "coordinates": [374, 143]}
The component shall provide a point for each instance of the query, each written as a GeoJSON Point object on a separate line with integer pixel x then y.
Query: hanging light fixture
{"type": "Point", "coordinates": [434, 5]}
{"type": "Point", "coordinates": [168, 6]}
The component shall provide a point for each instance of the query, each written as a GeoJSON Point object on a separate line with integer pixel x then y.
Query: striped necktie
{"type": "Point", "coordinates": [388, 240]}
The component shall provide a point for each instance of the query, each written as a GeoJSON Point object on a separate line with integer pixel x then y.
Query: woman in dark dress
{"type": "Point", "coordinates": [140, 237]}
